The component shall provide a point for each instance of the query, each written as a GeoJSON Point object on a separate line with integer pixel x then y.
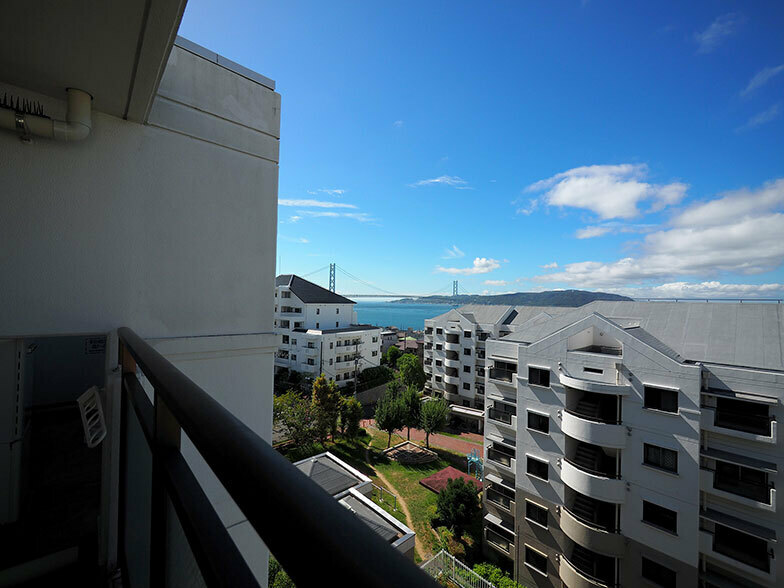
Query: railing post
{"type": "Point", "coordinates": [127, 366]}
{"type": "Point", "coordinates": [167, 437]}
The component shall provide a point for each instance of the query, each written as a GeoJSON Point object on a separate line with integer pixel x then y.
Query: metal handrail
{"type": "Point", "coordinates": [290, 512]}
{"type": "Point", "coordinates": [589, 575]}
{"type": "Point", "coordinates": [593, 472]}
{"type": "Point", "coordinates": [592, 419]}
{"type": "Point", "coordinates": [592, 524]}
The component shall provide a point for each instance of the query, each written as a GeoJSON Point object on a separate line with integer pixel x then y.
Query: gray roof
{"type": "Point", "coordinates": [745, 335]}
{"type": "Point", "coordinates": [372, 519]}
{"type": "Point", "coordinates": [309, 292]}
{"type": "Point", "coordinates": [327, 474]}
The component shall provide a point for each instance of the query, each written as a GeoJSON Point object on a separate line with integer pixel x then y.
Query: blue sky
{"type": "Point", "coordinates": [628, 147]}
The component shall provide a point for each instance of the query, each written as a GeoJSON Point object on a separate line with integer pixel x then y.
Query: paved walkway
{"type": "Point", "coordinates": [461, 445]}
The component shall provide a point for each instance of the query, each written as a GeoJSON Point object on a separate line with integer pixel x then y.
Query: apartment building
{"type": "Point", "coordinates": [635, 444]}
{"type": "Point", "coordinates": [319, 334]}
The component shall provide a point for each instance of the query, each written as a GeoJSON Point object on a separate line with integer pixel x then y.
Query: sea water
{"type": "Point", "coordinates": [384, 313]}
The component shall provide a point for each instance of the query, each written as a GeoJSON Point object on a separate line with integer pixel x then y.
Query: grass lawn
{"type": "Point", "coordinates": [462, 438]}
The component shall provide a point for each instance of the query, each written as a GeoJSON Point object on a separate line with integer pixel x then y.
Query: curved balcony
{"type": "Point", "coordinates": [593, 485]}
{"type": "Point", "coordinates": [452, 380]}
{"type": "Point", "coordinates": [574, 578]}
{"type": "Point", "coordinates": [596, 431]}
{"type": "Point", "coordinates": [591, 535]}
{"type": "Point", "coordinates": [591, 386]}
{"type": "Point", "coordinates": [452, 346]}
{"type": "Point", "coordinates": [452, 363]}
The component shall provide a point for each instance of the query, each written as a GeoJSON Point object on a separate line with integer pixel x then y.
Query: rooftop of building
{"type": "Point", "coordinates": [331, 473]}
{"type": "Point", "coordinates": [349, 329]}
{"type": "Point", "coordinates": [309, 292]}
{"type": "Point", "coordinates": [744, 334]}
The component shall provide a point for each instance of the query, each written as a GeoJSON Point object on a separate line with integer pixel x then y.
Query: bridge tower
{"type": "Point", "coordinates": [331, 277]}
{"type": "Point", "coordinates": [454, 288]}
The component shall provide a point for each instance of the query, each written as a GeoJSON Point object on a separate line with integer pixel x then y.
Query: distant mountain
{"type": "Point", "coordinates": [551, 298]}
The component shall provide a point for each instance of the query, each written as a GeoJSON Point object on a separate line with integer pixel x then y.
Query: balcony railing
{"type": "Point", "coordinates": [757, 491]}
{"type": "Point", "coordinates": [501, 374]}
{"type": "Point", "coordinates": [290, 513]}
{"type": "Point", "coordinates": [607, 418]}
{"type": "Point", "coordinates": [497, 456]}
{"type": "Point", "coordinates": [500, 416]}
{"type": "Point", "coordinates": [748, 423]}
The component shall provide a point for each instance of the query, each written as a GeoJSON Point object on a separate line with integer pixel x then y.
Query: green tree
{"type": "Point", "coordinates": [277, 576]}
{"type": "Point", "coordinates": [350, 415]}
{"type": "Point", "coordinates": [389, 414]}
{"type": "Point", "coordinates": [411, 400]}
{"type": "Point", "coordinates": [293, 415]}
{"type": "Point", "coordinates": [391, 356]}
{"type": "Point", "coordinates": [457, 504]}
{"type": "Point", "coordinates": [496, 576]}
{"type": "Point", "coordinates": [326, 405]}
{"type": "Point", "coordinates": [411, 371]}
{"type": "Point", "coordinates": [433, 415]}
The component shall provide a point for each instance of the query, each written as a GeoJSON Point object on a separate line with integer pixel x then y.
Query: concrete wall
{"type": "Point", "coordinates": [168, 228]}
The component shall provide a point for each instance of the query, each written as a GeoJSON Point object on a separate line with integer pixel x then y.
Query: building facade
{"type": "Point", "coordinates": [319, 334]}
{"type": "Point", "coordinates": [635, 444]}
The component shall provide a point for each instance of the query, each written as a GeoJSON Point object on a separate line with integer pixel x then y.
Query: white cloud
{"type": "Point", "coordinates": [529, 208]}
{"type": "Point", "coordinates": [711, 289]}
{"type": "Point", "coordinates": [452, 253]}
{"type": "Point", "coordinates": [495, 282]}
{"type": "Point", "coordinates": [481, 265]}
{"type": "Point", "coordinates": [611, 191]}
{"type": "Point", "coordinates": [441, 180]}
{"type": "Point", "coordinates": [314, 203]}
{"type": "Point", "coordinates": [397, 124]}
{"type": "Point", "coordinates": [362, 217]}
{"type": "Point", "coordinates": [552, 265]}
{"type": "Point", "coordinates": [761, 78]}
{"type": "Point", "coordinates": [302, 240]}
{"type": "Point", "coordinates": [590, 232]}
{"type": "Point", "coordinates": [740, 232]}
{"type": "Point", "coordinates": [763, 117]}
{"type": "Point", "coordinates": [328, 191]}
{"type": "Point", "coordinates": [717, 32]}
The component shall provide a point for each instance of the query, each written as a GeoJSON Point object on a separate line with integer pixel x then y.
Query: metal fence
{"type": "Point", "coordinates": [444, 564]}
{"type": "Point", "coordinates": [378, 494]}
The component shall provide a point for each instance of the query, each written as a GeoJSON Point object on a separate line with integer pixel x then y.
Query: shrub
{"type": "Point", "coordinates": [457, 504]}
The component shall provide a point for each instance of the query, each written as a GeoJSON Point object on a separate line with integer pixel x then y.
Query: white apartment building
{"type": "Point", "coordinates": [319, 334]}
{"type": "Point", "coordinates": [635, 444]}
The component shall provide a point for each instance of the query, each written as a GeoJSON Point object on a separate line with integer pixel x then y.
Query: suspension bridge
{"type": "Point", "coordinates": [453, 288]}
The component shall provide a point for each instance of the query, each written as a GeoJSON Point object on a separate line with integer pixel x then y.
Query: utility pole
{"type": "Point", "coordinates": [331, 277]}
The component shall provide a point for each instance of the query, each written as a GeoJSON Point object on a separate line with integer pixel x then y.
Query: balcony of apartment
{"type": "Point", "coordinates": [428, 361]}
{"type": "Point", "coordinates": [594, 418]}
{"type": "Point", "coordinates": [724, 413]}
{"type": "Point", "coordinates": [311, 350]}
{"type": "Point", "coordinates": [617, 388]}
{"type": "Point", "coordinates": [428, 346]}
{"type": "Point", "coordinates": [452, 376]}
{"type": "Point", "coordinates": [428, 331]}
{"type": "Point", "coordinates": [452, 343]}
{"type": "Point", "coordinates": [595, 341]}
{"type": "Point", "coordinates": [580, 567]}
{"type": "Point", "coordinates": [593, 471]}
{"type": "Point", "coordinates": [452, 390]}
{"type": "Point", "coordinates": [501, 453]}
{"type": "Point", "coordinates": [592, 523]}
{"type": "Point", "coordinates": [504, 414]}
{"type": "Point", "coordinates": [290, 311]}
{"type": "Point", "coordinates": [452, 359]}
{"type": "Point", "coordinates": [739, 543]}
{"type": "Point", "coordinates": [501, 495]}
{"type": "Point", "coordinates": [713, 576]}
{"type": "Point", "coordinates": [499, 534]}
{"type": "Point", "coordinates": [480, 389]}
{"type": "Point", "coordinates": [742, 479]}
{"type": "Point", "coordinates": [504, 373]}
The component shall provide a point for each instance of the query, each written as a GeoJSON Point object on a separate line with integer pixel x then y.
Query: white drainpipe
{"type": "Point", "coordinates": [75, 127]}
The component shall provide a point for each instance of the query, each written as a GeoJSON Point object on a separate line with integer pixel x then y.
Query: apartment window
{"type": "Point", "coordinates": [590, 370]}
{"type": "Point", "coordinates": [466, 386]}
{"type": "Point", "coordinates": [537, 468]}
{"type": "Point", "coordinates": [293, 358]}
{"type": "Point", "coordinates": [467, 403]}
{"type": "Point", "coordinates": [330, 344]}
{"type": "Point", "coordinates": [293, 341]}
{"type": "Point", "coordinates": [661, 399]}
{"type": "Point", "coordinates": [467, 334]}
{"type": "Point", "coordinates": [657, 573]}
{"type": "Point", "coordinates": [317, 325]}
{"type": "Point", "coordinates": [466, 351]}
{"type": "Point", "coordinates": [285, 294]}
{"type": "Point", "coordinates": [285, 339]}
{"type": "Point", "coordinates": [438, 378]}
{"type": "Point", "coordinates": [536, 560]}
{"type": "Point", "coordinates": [374, 353]}
{"type": "Point", "coordinates": [467, 369]}
{"type": "Point", "coordinates": [310, 362]}
{"type": "Point", "coordinates": [660, 517]}
{"type": "Point", "coordinates": [337, 378]}
{"type": "Point", "coordinates": [336, 324]}
{"type": "Point", "coordinates": [438, 346]}
{"type": "Point", "coordinates": [337, 311]}
{"type": "Point", "coordinates": [659, 457]}
{"type": "Point", "coordinates": [539, 422]}
{"type": "Point", "coordinates": [438, 363]}
{"type": "Point", "coordinates": [375, 339]}
{"type": "Point", "coordinates": [318, 311]}
{"type": "Point", "coordinates": [330, 362]}
{"type": "Point", "coordinates": [536, 513]}
{"type": "Point", "coordinates": [539, 377]}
